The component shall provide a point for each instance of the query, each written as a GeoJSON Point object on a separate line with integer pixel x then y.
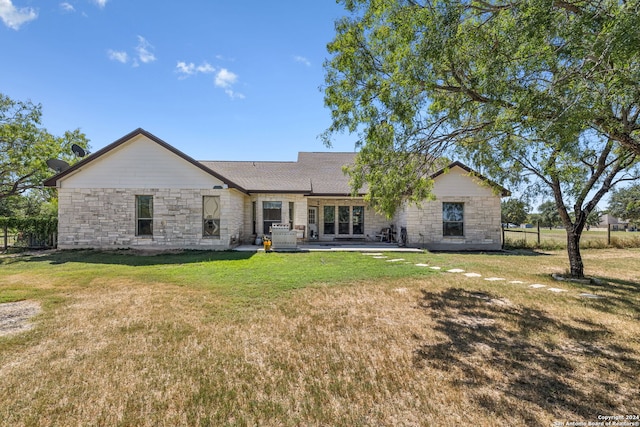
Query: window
{"type": "Point", "coordinates": [211, 216]}
{"type": "Point", "coordinates": [358, 219]}
{"type": "Point", "coordinates": [254, 215]}
{"type": "Point", "coordinates": [312, 215]}
{"type": "Point", "coordinates": [329, 220]}
{"type": "Point", "coordinates": [291, 215]}
{"type": "Point", "coordinates": [453, 219]}
{"type": "Point", "coordinates": [144, 215]}
{"type": "Point", "coordinates": [271, 214]}
{"type": "Point", "coordinates": [343, 219]}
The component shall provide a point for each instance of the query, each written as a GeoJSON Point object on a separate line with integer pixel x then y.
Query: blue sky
{"type": "Point", "coordinates": [219, 80]}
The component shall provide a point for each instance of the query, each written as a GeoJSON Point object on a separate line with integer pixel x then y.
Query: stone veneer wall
{"type": "Point", "coordinates": [482, 228]}
{"type": "Point", "coordinates": [105, 218]}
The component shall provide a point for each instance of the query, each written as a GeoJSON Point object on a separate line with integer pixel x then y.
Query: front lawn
{"type": "Point", "coordinates": [322, 338]}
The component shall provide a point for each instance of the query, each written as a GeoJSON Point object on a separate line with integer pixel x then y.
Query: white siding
{"type": "Point", "coordinates": [140, 163]}
{"type": "Point", "coordinates": [457, 182]}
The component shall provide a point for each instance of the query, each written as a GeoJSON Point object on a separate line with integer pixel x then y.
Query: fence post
{"type": "Point", "coordinates": [608, 234]}
{"type": "Point", "coordinates": [6, 238]}
{"type": "Point", "coordinates": [538, 233]}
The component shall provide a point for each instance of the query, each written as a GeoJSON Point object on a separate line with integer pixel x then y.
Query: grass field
{"type": "Point", "coordinates": [556, 239]}
{"type": "Point", "coordinates": [326, 339]}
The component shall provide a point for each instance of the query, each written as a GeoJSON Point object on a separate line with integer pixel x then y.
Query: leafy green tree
{"type": "Point", "coordinates": [542, 95]}
{"type": "Point", "coordinates": [25, 146]}
{"type": "Point", "coordinates": [594, 218]}
{"type": "Point", "coordinates": [549, 216]}
{"type": "Point", "coordinates": [625, 203]}
{"type": "Point", "coordinates": [514, 211]}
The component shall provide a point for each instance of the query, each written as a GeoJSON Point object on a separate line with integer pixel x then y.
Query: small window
{"type": "Point", "coordinates": [358, 219]}
{"type": "Point", "coordinates": [329, 220]}
{"type": "Point", "coordinates": [144, 215]}
{"type": "Point", "coordinates": [254, 216]}
{"type": "Point", "coordinates": [453, 219]}
{"type": "Point", "coordinates": [343, 219]}
{"type": "Point", "coordinates": [291, 213]}
{"type": "Point", "coordinates": [211, 216]}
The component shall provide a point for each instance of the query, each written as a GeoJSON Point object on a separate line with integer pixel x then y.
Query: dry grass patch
{"type": "Point", "coordinates": [436, 350]}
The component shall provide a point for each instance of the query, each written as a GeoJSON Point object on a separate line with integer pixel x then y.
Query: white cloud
{"type": "Point", "coordinates": [188, 69]}
{"type": "Point", "coordinates": [185, 69]}
{"type": "Point", "coordinates": [101, 3]}
{"type": "Point", "coordinates": [67, 7]}
{"type": "Point", "coordinates": [14, 17]}
{"type": "Point", "coordinates": [205, 68]}
{"type": "Point", "coordinates": [144, 54]}
{"type": "Point", "coordinates": [302, 60]}
{"type": "Point", "coordinates": [225, 79]}
{"type": "Point", "coordinates": [119, 56]}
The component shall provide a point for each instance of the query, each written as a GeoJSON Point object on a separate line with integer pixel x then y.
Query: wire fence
{"type": "Point", "coordinates": [556, 238]}
{"type": "Point", "coordinates": [12, 239]}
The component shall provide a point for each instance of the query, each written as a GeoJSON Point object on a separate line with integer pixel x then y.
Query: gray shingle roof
{"type": "Point", "coordinates": [313, 173]}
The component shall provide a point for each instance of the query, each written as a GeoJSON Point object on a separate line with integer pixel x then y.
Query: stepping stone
{"type": "Point", "coordinates": [372, 253]}
{"type": "Point", "coordinates": [473, 275]}
{"type": "Point", "coordinates": [380, 257]}
{"type": "Point", "coordinates": [422, 265]}
{"type": "Point", "coordinates": [557, 290]}
{"type": "Point", "coordinates": [435, 268]}
{"type": "Point", "coordinates": [537, 286]}
{"type": "Point", "coordinates": [516, 282]}
{"type": "Point", "coordinates": [395, 260]}
{"type": "Point", "coordinates": [592, 296]}
{"type": "Point", "coordinates": [494, 279]}
{"type": "Point", "coordinates": [455, 270]}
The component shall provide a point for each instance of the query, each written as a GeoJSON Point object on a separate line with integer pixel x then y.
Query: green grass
{"type": "Point", "coordinates": [323, 338]}
{"type": "Point", "coordinates": [241, 276]}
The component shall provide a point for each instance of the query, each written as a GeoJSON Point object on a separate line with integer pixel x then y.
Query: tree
{"type": "Point", "coordinates": [549, 216]}
{"type": "Point", "coordinates": [594, 218]}
{"type": "Point", "coordinates": [625, 203]}
{"type": "Point", "coordinates": [514, 211]}
{"type": "Point", "coordinates": [537, 94]}
{"type": "Point", "coordinates": [25, 146]}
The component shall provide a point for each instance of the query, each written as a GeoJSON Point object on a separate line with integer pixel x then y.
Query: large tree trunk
{"type": "Point", "coordinates": [573, 249]}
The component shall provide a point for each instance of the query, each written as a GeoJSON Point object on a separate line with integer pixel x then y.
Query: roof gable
{"type": "Point", "coordinates": [314, 173]}
{"type": "Point", "coordinates": [470, 173]}
{"type": "Point", "coordinates": [115, 152]}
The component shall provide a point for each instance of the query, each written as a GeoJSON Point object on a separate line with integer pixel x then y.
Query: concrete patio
{"type": "Point", "coordinates": [334, 247]}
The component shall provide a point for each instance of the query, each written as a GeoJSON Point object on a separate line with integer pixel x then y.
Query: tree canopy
{"type": "Point", "coordinates": [625, 203]}
{"type": "Point", "coordinates": [535, 93]}
{"type": "Point", "coordinates": [25, 146]}
{"type": "Point", "coordinates": [549, 216]}
{"type": "Point", "coordinates": [514, 211]}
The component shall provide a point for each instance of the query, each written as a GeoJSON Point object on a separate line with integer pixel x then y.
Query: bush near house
{"type": "Point", "coordinates": [29, 231]}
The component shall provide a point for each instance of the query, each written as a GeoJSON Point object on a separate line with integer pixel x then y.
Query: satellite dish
{"type": "Point", "coordinates": [78, 151]}
{"type": "Point", "coordinates": [58, 165]}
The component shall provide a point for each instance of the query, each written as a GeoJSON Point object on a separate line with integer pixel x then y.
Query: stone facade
{"type": "Point", "coordinates": [107, 218]}
{"type": "Point", "coordinates": [481, 224]}
{"type": "Point", "coordinates": [97, 201]}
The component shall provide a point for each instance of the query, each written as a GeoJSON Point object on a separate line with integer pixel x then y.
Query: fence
{"type": "Point", "coordinates": [525, 232]}
{"type": "Point", "coordinates": [556, 238]}
{"type": "Point", "coordinates": [30, 233]}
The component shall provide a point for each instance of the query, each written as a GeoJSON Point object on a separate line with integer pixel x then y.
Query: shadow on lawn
{"type": "Point", "coordinates": [133, 258]}
{"type": "Point", "coordinates": [619, 295]}
{"type": "Point", "coordinates": [506, 354]}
